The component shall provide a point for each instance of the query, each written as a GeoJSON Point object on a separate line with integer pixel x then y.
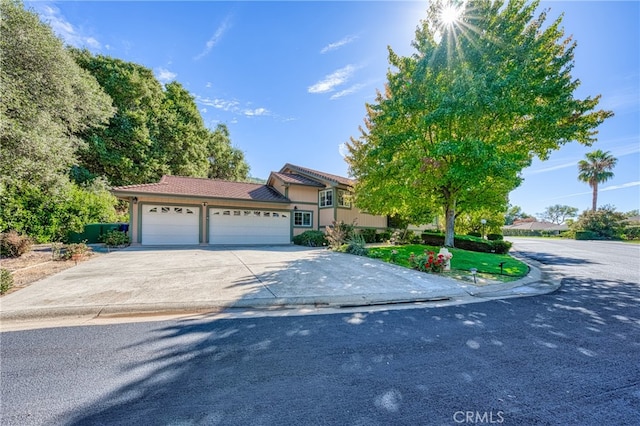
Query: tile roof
{"type": "Point", "coordinates": [295, 178]}
{"type": "Point", "coordinates": [317, 174]}
{"type": "Point", "coordinates": [206, 188]}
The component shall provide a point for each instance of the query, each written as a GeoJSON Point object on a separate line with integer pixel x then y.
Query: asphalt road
{"type": "Point", "coordinates": [571, 357]}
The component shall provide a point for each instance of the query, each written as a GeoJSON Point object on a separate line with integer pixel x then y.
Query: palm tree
{"type": "Point", "coordinates": [596, 169]}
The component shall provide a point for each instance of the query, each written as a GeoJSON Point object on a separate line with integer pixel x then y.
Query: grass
{"type": "Point", "coordinates": [463, 260]}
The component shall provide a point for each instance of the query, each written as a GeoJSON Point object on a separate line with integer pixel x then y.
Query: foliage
{"type": "Point", "coordinates": [514, 213]}
{"type": "Point", "coordinates": [48, 105]}
{"type": "Point", "coordinates": [427, 262]}
{"type": "Point", "coordinates": [462, 260]}
{"type": "Point", "coordinates": [604, 223]}
{"type": "Point", "coordinates": [225, 161]}
{"type": "Point", "coordinates": [48, 102]}
{"type": "Point", "coordinates": [369, 235]}
{"type": "Point", "coordinates": [115, 238]}
{"type": "Point", "coordinates": [495, 237]}
{"type": "Point", "coordinates": [468, 242]}
{"type": "Point", "coordinates": [6, 280]}
{"type": "Point", "coordinates": [13, 244]}
{"type": "Point", "coordinates": [494, 96]}
{"type": "Point", "coordinates": [338, 233]}
{"type": "Point", "coordinates": [162, 127]}
{"type": "Point", "coordinates": [559, 214]}
{"type": "Point", "coordinates": [631, 233]}
{"type": "Point", "coordinates": [51, 216]}
{"type": "Point", "coordinates": [356, 245]}
{"type": "Point", "coordinates": [596, 169]}
{"type": "Point", "coordinates": [310, 239]}
{"type": "Point", "coordinates": [79, 249]}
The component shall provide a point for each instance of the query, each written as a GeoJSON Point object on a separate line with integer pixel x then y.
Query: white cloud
{"type": "Point", "coordinates": [349, 91]}
{"type": "Point", "coordinates": [331, 81]}
{"type": "Point", "coordinates": [217, 103]}
{"type": "Point", "coordinates": [256, 112]}
{"type": "Point", "coordinates": [215, 38]}
{"type": "Point", "coordinates": [164, 75]}
{"type": "Point", "coordinates": [208, 85]}
{"type": "Point", "coordinates": [338, 44]}
{"type": "Point", "coordinates": [603, 189]}
{"type": "Point", "coordinates": [64, 29]}
{"type": "Point", "coordinates": [624, 185]}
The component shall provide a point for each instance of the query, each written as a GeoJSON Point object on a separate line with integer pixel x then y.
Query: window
{"type": "Point", "coordinates": [302, 219]}
{"type": "Point", "coordinates": [326, 198]}
{"type": "Point", "coordinates": [344, 198]}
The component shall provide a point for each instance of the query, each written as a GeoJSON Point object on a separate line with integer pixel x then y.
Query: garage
{"type": "Point", "coordinates": [170, 225]}
{"type": "Point", "coordinates": [248, 226]}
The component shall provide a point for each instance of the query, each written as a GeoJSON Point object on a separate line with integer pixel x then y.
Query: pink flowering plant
{"type": "Point", "coordinates": [428, 262]}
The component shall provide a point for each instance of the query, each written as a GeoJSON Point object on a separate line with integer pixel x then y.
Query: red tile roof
{"type": "Point", "coordinates": [294, 178]}
{"type": "Point", "coordinates": [205, 188]}
{"type": "Point", "coordinates": [317, 174]}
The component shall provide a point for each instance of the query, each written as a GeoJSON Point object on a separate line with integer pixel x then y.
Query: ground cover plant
{"type": "Point", "coordinates": [463, 260]}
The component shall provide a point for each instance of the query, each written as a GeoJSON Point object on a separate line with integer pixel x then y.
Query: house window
{"type": "Point", "coordinates": [344, 198]}
{"type": "Point", "coordinates": [302, 219]}
{"type": "Point", "coordinates": [326, 198]}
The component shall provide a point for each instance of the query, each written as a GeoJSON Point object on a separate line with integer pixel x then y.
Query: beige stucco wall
{"type": "Point", "coordinates": [363, 220]}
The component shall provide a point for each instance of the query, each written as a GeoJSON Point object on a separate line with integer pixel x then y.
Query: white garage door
{"type": "Point", "coordinates": [170, 225]}
{"type": "Point", "coordinates": [234, 226]}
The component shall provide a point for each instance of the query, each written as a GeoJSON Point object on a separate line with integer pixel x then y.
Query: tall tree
{"type": "Point", "coordinates": [225, 161]}
{"type": "Point", "coordinates": [182, 134]}
{"type": "Point", "coordinates": [596, 169]}
{"type": "Point", "coordinates": [48, 103]}
{"type": "Point", "coordinates": [559, 214]}
{"type": "Point", "coordinates": [488, 89]}
{"type": "Point", "coordinates": [128, 151]}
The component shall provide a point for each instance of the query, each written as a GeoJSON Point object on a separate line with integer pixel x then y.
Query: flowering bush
{"type": "Point", "coordinates": [428, 262]}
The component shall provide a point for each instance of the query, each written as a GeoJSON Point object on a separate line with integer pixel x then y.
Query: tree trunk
{"type": "Point", "coordinates": [449, 221]}
{"type": "Point", "coordinates": [594, 204]}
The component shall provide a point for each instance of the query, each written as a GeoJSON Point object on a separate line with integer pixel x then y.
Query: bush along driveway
{"type": "Point", "coordinates": [491, 266]}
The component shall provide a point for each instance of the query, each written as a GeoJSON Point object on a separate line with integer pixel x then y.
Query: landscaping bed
{"type": "Point", "coordinates": [487, 265]}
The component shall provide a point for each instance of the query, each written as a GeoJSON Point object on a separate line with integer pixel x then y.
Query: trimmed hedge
{"type": "Point", "coordinates": [466, 242]}
{"type": "Point", "coordinates": [311, 239]}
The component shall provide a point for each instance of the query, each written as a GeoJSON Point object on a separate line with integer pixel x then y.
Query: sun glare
{"type": "Point", "coordinates": [450, 14]}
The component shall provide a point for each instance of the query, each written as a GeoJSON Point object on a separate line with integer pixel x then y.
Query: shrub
{"type": "Point", "coordinates": [13, 244]}
{"type": "Point", "coordinates": [428, 262]}
{"type": "Point", "coordinates": [356, 245]}
{"type": "Point", "coordinates": [80, 249]}
{"type": "Point", "coordinates": [338, 233]}
{"type": "Point", "coordinates": [115, 239]}
{"type": "Point", "coordinates": [586, 235]}
{"type": "Point", "coordinates": [383, 236]}
{"type": "Point", "coordinates": [631, 233]}
{"type": "Point", "coordinates": [369, 235]}
{"type": "Point", "coordinates": [467, 242]}
{"type": "Point", "coordinates": [604, 223]}
{"type": "Point", "coordinates": [6, 280]}
{"type": "Point", "coordinates": [474, 234]}
{"type": "Point", "coordinates": [495, 237]}
{"type": "Point", "coordinates": [311, 239]}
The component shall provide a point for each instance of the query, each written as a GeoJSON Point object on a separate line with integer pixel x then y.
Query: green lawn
{"type": "Point", "coordinates": [463, 260]}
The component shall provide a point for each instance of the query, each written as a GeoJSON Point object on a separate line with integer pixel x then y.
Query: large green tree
{"type": "Point", "coordinates": [157, 130]}
{"type": "Point", "coordinates": [128, 150]}
{"type": "Point", "coordinates": [595, 170]}
{"type": "Point", "coordinates": [488, 88]}
{"type": "Point", "coordinates": [225, 161]}
{"type": "Point", "coordinates": [48, 103]}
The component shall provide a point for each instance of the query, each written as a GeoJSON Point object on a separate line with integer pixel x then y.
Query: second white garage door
{"type": "Point", "coordinates": [234, 226]}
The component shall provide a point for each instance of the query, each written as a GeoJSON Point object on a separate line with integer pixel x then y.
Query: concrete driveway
{"type": "Point", "coordinates": [192, 279]}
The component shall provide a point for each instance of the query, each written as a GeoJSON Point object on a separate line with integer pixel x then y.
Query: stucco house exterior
{"type": "Point", "coordinates": [184, 211]}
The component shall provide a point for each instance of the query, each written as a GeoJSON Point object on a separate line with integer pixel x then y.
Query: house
{"type": "Point", "coordinates": [183, 210]}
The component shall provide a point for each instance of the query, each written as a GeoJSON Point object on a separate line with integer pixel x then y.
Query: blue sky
{"type": "Point", "coordinates": [290, 79]}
